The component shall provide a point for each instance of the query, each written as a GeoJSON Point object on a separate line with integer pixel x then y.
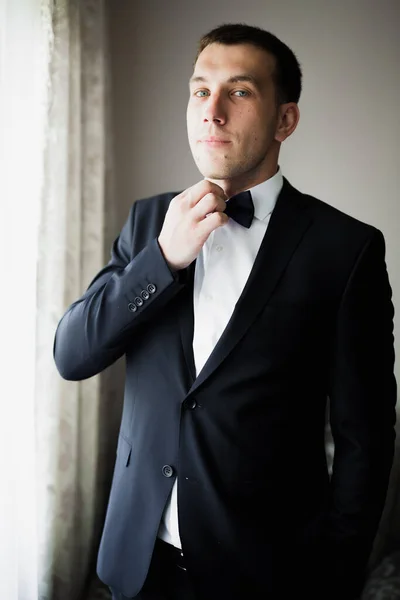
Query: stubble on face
{"type": "Point", "coordinates": [240, 158]}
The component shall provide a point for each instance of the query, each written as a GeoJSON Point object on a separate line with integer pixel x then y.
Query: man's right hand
{"type": "Point", "coordinates": [191, 217]}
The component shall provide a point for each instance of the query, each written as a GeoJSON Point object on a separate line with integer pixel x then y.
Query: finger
{"type": "Point", "coordinates": [195, 193]}
{"type": "Point", "coordinates": [208, 204]}
{"type": "Point", "coordinates": [212, 222]}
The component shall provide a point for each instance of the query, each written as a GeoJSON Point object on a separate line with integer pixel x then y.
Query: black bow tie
{"type": "Point", "coordinates": [241, 208]}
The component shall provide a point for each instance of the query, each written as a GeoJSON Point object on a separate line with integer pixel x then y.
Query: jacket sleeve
{"type": "Point", "coordinates": [363, 414]}
{"type": "Point", "coordinates": [121, 299]}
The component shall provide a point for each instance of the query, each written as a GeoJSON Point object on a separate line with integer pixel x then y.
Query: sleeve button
{"type": "Point", "coordinates": [145, 295]}
{"type": "Point", "coordinates": [139, 301]}
{"type": "Point", "coordinates": [132, 307]}
{"type": "Point", "coordinates": [151, 288]}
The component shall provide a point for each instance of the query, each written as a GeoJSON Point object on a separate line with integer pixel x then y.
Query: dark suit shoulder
{"type": "Point", "coordinates": [327, 216]}
{"type": "Point", "coordinates": [155, 204]}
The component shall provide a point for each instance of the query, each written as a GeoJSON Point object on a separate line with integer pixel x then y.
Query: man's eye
{"type": "Point", "coordinates": [242, 93]}
{"type": "Point", "coordinates": [200, 93]}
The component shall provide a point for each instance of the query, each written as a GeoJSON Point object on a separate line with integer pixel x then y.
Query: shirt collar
{"type": "Point", "coordinates": [266, 194]}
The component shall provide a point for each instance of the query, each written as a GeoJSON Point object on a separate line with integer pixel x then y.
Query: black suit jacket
{"type": "Point", "coordinates": [258, 514]}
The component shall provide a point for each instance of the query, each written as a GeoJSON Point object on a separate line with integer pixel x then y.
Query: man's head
{"type": "Point", "coordinates": [244, 92]}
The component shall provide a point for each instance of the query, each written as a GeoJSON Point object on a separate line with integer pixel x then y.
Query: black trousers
{"type": "Point", "coordinates": [167, 578]}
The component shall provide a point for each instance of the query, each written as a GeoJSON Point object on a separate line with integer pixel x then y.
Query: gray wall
{"type": "Point", "coordinates": [347, 146]}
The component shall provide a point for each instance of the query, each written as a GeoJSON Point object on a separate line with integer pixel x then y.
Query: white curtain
{"type": "Point", "coordinates": [24, 52]}
{"type": "Point", "coordinates": [57, 222]}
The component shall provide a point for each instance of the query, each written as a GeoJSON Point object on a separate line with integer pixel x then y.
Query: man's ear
{"type": "Point", "coordinates": [288, 118]}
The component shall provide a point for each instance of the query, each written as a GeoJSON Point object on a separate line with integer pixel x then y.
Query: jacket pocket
{"type": "Point", "coordinates": [124, 451]}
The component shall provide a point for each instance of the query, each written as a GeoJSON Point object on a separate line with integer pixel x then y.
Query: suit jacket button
{"type": "Point", "coordinates": [139, 301]}
{"type": "Point", "coordinates": [132, 307]}
{"type": "Point", "coordinates": [167, 471]}
{"type": "Point", "coordinates": [151, 288]}
{"type": "Point", "coordinates": [145, 295]}
{"type": "Point", "coordinates": [190, 403]}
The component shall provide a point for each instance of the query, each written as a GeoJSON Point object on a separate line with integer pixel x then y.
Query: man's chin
{"type": "Point", "coordinates": [214, 172]}
{"type": "Point", "coordinates": [213, 176]}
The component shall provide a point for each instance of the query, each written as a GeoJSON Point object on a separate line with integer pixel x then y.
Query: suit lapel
{"type": "Point", "coordinates": [288, 224]}
{"type": "Point", "coordinates": [186, 322]}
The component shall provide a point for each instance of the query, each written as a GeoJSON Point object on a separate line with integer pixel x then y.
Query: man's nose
{"type": "Point", "coordinates": [215, 111]}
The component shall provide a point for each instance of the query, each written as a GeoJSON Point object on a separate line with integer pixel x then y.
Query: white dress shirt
{"type": "Point", "coordinates": [222, 270]}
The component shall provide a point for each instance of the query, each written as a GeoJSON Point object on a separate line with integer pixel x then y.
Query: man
{"type": "Point", "coordinates": [241, 305]}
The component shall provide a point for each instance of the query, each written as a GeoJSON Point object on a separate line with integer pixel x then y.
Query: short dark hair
{"type": "Point", "coordinates": [287, 75]}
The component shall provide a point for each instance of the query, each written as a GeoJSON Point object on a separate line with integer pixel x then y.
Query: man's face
{"type": "Point", "coordinates": [232, 113]}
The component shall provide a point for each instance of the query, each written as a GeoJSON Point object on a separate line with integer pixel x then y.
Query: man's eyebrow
{"type": "Point", "coordinates": [233, 79]}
